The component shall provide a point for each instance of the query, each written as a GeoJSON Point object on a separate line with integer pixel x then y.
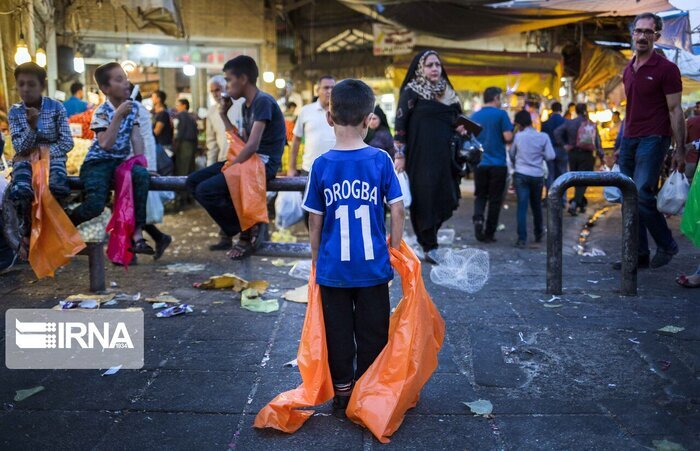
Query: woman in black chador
{"type": "Point", "coordinates": [428, 108]}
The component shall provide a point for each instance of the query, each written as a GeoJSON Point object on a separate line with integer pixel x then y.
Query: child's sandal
{"type": "Point", "coordinates": [141, 247]}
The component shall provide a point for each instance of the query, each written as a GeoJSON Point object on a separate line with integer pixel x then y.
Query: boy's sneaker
{"type": "Point", "coordinates": [340, 403]}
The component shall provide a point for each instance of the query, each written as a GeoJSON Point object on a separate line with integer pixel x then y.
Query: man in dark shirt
{"type": "Point", "coordinates": [653, 87]}
{"type": "Point", "coordinates": [185, 146]}
{"type": "Point", "coordinates": [264, 133]}
{"type": "Point", "coordinates": [162, 124]}
{"type": "Point", "coordinates": [580, 159]}
{"type": "Point", "coordinates": [560, 164]}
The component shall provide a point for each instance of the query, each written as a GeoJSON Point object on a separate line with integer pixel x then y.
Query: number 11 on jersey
{"type": "Point", "coordinates": [362, 213]}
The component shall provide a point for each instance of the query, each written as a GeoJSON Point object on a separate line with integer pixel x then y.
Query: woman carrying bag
{"type": "Point", "coordinates": [428, 108]}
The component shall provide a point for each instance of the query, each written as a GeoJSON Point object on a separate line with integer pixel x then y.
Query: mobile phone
{"type": "Point", "coordinates": [134, 92]}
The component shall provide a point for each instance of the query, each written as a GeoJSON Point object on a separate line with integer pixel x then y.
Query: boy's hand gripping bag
{"type": "Point", "coordinates": [247, 184]}
{"type": "Point", "coordinates": [392, 384]}
{"type": "Point", "coordinates": [690, 223]}
{"type": "Point", "coordinates": [123, 221]}
{"type": "Point", "coordinates": [54, 238]}
{"type": "Point", "coordinates": [282, 413]}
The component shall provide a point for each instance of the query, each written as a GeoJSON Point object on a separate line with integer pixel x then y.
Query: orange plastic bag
{"type": "Point", "coordinates": [247, 185]}
{"type": "Point", "coordinates": [317, 387]}
{"type": "Point", "coordinates": [392, 384]}
{"type": "Point", "coordinates": [123, 221]}
{"type": "Point", "coordinates": [54, 238]}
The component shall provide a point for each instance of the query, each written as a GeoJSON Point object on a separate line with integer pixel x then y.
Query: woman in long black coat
{"type": "Point", "coordinates": [428, 108]}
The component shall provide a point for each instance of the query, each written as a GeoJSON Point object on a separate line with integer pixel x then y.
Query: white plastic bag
{"type": "Point", "coordinates": [288, 209]}
{"type": "Point", "coordinates": [154, 208]}
{"type": "Point", "coordinates": [405, 189]}
{"type": "Point", "coordinates": [673, 194]}
{"type": "Point", "coordinates": [461, 269]}
{"type": "Point", "coordinates": [612, 193]}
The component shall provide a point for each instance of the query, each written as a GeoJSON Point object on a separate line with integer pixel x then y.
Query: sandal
{"type": "Point", "coordinates": [242, 249]}
{"type": "Point", "coordinates": [141, 247]}
{"type": "Point", "coordinates": [249, 241]}
{"type": "Point", "coordinates": [683, 281]}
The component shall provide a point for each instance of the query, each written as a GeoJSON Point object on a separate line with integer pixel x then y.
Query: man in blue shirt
{"type": "Point", "coordinates": [491, 174]}
{"type": "Point", "coordinates": [75, 104]}
{"type": "Point", "coordinates": [345, 197]}
{"type": "Point", "coordinates": [560, 164]}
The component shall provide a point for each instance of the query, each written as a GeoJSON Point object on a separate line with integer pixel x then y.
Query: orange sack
{"type": "Point", "coordinates": [247, 184]}
{"type": "Point", "coordinates": [392, 384]}
{"type": "Point", "coordinates": [54, 238]}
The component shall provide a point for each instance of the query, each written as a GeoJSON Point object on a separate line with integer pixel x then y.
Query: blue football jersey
{"type": "Point", "coordinates": [349, 187]}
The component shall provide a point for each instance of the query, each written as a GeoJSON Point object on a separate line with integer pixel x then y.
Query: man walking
{"type": "Point", "coordinates": [312, 126]}
{"type": "Point", "coordinates": [75, 104]}
{"type": "Point", "coordinates": [560, 164]}
{"type": "Point", "coordinates": [579, 137]}
{"type": "Point", "coordinates": [492, 172]}
{"type": "Point", "coordinates": [653, 87]}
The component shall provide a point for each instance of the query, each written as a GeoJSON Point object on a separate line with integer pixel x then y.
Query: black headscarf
{"type": "Point", "coordinates": [383, 122]}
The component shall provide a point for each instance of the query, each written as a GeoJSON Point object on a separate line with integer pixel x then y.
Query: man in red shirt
{"type": "Point", "coordinates": [653, 88]}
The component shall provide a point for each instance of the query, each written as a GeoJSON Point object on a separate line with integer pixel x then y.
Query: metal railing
{"type": "Point", "coordinates": [630, 226]}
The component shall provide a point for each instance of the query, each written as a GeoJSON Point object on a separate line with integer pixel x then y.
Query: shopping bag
{"type": "Point", "coordinates": [154, 208]}
{"type": "Point", "coordinates": [612, 193]}
{"type": "Point", "coordinates": [123, 221]}
{"type": "Point", "coordinates": [247, 185]}
{"type": "Point", "coordinates": [673, 194]}
{"type": "Point", "coordinates": [690, 222]}
{"type": "Point", "coordinates": [392, 384]}
{"type": "Point", "coordinates": [282, 413]}
{"type": "Point", "coordinates": [288, 209]}
{"type": "Point", "coordinates": [405, 189]}
{"type": "Point", "coordinates": [54, 238]}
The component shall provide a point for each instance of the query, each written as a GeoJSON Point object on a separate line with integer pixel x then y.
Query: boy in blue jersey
{"type": "Point", "coordinates": [345, 197]}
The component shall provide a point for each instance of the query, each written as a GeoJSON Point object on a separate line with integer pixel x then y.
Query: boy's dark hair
{"type": "Point", "coordinates": [32, 69]}
{"type": "Point", "coordinates": [658, 21]}
{"type": "Point", "coordinates": [184, 102]}
{"type": "Point", "coordinates": [243, 65]}
{"type": "Point", "coordinates": [351, 102]}
{"type": "Point", "coordinates": [161, 95]}
{"type": "Point", "coordinates": [325, 77]}
{"type": "Point", "coordinates": [523, 118]}
{"type": "Point", "coordinates": [581, 109]}
{"type": "Point", "coordinates": [102, 73]}
{"type": "Point", "coordinates": [75, 87]}
{"type": "Point", "coordinates": [491, 93]}
{"type": "Point", "coordinates": [291, 105]}
{"type": "Point", "coordinates": [556, 107]}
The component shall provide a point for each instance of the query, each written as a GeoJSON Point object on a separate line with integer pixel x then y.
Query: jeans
{"type": "Point", "coordinates": [642, 159]}
{"type": "Point", "coordinates": [528, 190]}
{"type": "Point", "coordinates": [209, 188]}
{"type": "Point", "coordinates": [581, 160]}
{"type": "Point", "coordinates": [489, 187]}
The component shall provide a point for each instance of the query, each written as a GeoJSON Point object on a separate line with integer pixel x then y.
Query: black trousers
{"type": "Point", "coordinates": [357, 325]}
{"type": "Point", "coordinates": [581, 160]}
{"type": "Point", "coordinates": [489, 188]}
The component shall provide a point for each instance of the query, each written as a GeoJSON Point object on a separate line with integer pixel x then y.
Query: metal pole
{"type": "Point", "coordinates": [630, 226]}
{"type": "Point", "coordinates": [96, 261]}
{"type": "Point", "coordinates": [179, 183]}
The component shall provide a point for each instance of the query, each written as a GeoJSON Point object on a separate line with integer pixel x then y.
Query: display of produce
{"type": "Point", "coordinates": [77, 155]}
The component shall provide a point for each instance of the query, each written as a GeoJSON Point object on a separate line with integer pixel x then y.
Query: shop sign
{"type": "Point", "coordinates": [390, 40]}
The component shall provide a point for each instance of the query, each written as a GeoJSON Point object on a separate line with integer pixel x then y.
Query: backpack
{"type": "Point", "coordinates": [585, 136]}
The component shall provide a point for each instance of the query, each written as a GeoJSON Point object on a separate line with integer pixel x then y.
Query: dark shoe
{"type": "Point", "coordinates": [224, 244]}
{"type": "Point", "coordinates": [141, 247]}
{"type": "Point", "coordinates": [161, 245]}
{"type": "Point", "coordinates": [538, 238]}
{"type": "Point", "coordinates": [520, 244]}
{"type": "Point", "coordinates": [662, 258]}
{"type": "Point", "coordinates": [429, 257]}
{"type": "Point", "coordinates": [572, 209]}
{"type": "Point", "coordinates": [642, 263]}
{"type": "Point", "coordinates": [134, 261]}
{"type": "Point", "coordinates": [340, 404]}
{"type": "Point", "coordinates": [490, 239]}
{"type": "Point", "coordinates": [479, 229]}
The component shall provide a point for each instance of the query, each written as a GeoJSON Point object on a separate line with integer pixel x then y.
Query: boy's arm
{"type": "Point", "coordinates": [22, 133]}
{"type": "Point", "coordinates": [397, 223]}
{"type": "Point", "coordinates": [65, 139]}
{"type": "Point", "coordinates": [137, 144]}
{"type": "Point", "coordinates": [253, 142]}
{"type": "Point", "coordinates": [316, 224]}
{"type": "Point", "coordinates": [107, 138]}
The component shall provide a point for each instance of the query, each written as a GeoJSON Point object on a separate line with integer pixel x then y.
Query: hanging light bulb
{"type": "Point", "coordinates": [22, 54]}
{"type": "Point", "coordinates": [189, 70]}
{"type": "Point", "coordinates": [78, 63]}
{"type": "Point", "coordinates": [280, 83]}
{"type": "Point", "coordinates": [268, 77]}
{"type": "Point", "coordinates": [40, 57]}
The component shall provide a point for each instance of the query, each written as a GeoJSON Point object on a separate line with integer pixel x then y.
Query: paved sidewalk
{"type": "Point", "coordinates": [592, 373]}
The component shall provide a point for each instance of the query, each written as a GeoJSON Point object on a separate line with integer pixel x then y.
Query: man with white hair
{"type": "Point", "coordinates": [217, 143]}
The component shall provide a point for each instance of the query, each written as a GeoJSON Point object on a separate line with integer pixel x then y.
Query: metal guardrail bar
{"type": "Point", "coordinates": [630, 226]}
{"type": "Point", "coordinates": [179, 183]}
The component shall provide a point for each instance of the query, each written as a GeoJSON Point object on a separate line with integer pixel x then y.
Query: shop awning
{"type": "Point", "coordinates": [474, 70]}
{"type": "Point", "coordinates": [598, 66]}
{"type": "Point", "coordinates": [162, 15]}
